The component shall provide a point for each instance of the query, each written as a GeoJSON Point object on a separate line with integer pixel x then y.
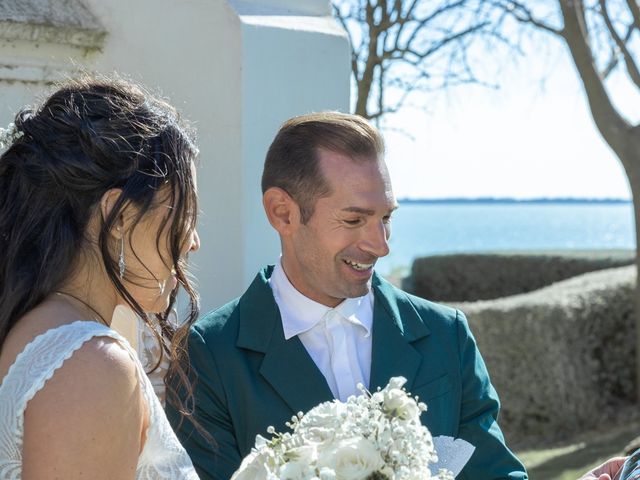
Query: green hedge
{"type": "Point", "coordinates": [470, 277]}
{"type": "Point", "coordinates": [561, 358]}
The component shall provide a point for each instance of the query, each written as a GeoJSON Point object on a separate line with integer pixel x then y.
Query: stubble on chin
{"type": "Point", "coordinates": [358, 290]}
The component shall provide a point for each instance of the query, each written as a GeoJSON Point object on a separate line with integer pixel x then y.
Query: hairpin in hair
{"type": "Point", "coordinates": [8, 136]}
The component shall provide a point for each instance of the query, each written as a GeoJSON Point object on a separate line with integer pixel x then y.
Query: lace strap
{"type": "Point", "coordinates": [44, 355]}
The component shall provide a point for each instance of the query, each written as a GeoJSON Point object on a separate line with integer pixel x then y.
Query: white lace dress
{"type": "Point", "coordinates": [162, 456]}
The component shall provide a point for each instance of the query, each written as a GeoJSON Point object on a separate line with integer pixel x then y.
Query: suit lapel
{"type": "Point", "coordinates": [286, 365]}
{"type": "Point", "coordinates": [396, 325]}
{"type": "Point", "coordinates": [292, 373]}
{"type": "Point", "coordinates": [289, 369]}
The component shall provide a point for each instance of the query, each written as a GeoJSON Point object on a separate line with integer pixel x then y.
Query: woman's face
{"type": "Point", "coordinates": [150, 274]}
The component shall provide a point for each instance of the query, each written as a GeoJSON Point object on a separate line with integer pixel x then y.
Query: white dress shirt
{"type": "Point", "coordinates": [338, 339]}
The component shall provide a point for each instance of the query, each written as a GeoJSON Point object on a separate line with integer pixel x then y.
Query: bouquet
{"type": "Point", "coordinates": [370, 437]}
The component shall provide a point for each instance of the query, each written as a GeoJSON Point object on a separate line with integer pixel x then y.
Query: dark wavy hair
{"type": "Point", "coordinates": [92, 135]}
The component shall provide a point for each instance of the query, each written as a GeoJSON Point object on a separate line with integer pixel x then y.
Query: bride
{"type": "Point", "coordinates": [97, 209]}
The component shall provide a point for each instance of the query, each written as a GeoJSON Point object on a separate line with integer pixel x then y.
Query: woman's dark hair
{"type": "Point", "coordinates": [92, 135]}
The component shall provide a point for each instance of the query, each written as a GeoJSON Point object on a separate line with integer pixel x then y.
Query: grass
{"type": "Point", "coordinates": [571, 459]}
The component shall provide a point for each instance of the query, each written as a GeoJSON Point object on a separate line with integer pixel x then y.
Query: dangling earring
{"type": "Point", "coordinates": [121, 265]}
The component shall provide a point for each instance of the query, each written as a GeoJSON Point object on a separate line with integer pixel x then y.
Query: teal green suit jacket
{"type": "Point", "coordinates": [249, 377]}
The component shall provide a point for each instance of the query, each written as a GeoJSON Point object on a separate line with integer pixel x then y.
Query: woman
{"type": "Point", "coordinates": [97, 208]}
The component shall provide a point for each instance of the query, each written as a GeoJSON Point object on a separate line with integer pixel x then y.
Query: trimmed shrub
{"type": "Point", "coordinates": [562, 358]}
{"type": "Point", "coordinates": [471, 277]}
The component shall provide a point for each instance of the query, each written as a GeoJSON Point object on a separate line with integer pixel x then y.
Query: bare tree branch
{"type": "Point", "coordinates": [615, 53]}
{"type": "Point", "coordinates": [401, 38]}
{"type": "Point", "coordinates": [632, 68]}
{"type": "Point", "coordinates": [443, 42]}
{"type": "Point", "coordinates": [523, 14]}
{"type": "Point", "coordinates": [635, 12]}
{"type": "Point", "coordinates": [354, 55]}
{"type": "Point", "coordinates": [381, 88]}
{"type": "Point", "coordinates": [607, 119]}
{"type": "Point", "coordinates": [431, 18]}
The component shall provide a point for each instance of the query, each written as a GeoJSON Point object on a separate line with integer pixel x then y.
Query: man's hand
{"type": "Point", "coordinates": [606, 471]}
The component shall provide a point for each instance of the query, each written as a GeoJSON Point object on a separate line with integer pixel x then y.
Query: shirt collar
{"type": "Point", "coordinates": [358, 311]}
{"type": "Point", "coordinates": [300, 314]}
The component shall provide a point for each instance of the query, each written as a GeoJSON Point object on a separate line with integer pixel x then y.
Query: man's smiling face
{"type": "Point", "coordinates": [331, 257]}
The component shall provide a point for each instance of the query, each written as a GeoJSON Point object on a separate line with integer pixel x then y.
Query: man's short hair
{"type": "Point", "coordinates": [292, 160]}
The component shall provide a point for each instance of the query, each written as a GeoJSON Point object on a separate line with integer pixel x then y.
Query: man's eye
{"type": "Point", "coordinates": [387, 219]}
{"type": "Point", "coordinates": [352, 222]}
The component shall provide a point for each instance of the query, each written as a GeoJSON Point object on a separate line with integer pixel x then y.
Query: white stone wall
{"type": "Point", "coordinates": [236, 69]}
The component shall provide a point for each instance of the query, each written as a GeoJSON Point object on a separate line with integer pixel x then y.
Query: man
{"type": "Point", "coordinates": [311, 328]}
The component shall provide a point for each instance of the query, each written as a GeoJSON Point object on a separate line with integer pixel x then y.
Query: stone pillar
{"type": "Point", "coordinates": [295, 60]}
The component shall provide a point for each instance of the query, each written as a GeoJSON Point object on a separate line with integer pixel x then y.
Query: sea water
{"type": "Point", "coordinates": [420, 229]}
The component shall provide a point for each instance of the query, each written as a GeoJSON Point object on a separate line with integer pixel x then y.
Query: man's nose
{"type": "Point", "coordinates": [376, 239]}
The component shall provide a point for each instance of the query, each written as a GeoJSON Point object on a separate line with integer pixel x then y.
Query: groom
{"type": "Point", "coordinates": [320, 321]}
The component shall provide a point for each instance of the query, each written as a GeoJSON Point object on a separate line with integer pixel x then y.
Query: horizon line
{"type": "Point", "coordinates": [515, 200]}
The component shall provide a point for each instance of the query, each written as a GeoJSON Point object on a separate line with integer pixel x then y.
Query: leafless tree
{"type": "Point", "coordinates": [602, 37]}
{"type": "Point", "coordinates": [400, 47]}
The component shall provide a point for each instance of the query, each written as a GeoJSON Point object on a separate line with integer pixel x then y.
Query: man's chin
{"type": "Point", "coordinates": [358, 290]}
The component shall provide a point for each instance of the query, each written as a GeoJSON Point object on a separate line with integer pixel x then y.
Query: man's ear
{"type": "Point", "coordinates": [107, 202]}
{"type": "Point", "coordinates": [282, 211]}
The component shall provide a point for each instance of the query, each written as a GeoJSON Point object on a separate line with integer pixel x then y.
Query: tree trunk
{"type": "Point", "coordinates": [633, 173]}
{"type": "Point", "coordinates": [622, 137]}
{"type": "Point", "coordinates": [626, 145]}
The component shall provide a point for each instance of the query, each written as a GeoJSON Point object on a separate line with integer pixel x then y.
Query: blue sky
{"type": "Point", "coordinates": [534, 137]}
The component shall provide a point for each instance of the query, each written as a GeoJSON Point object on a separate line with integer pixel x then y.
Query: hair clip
{"type": "Point", "coordinates": [9, 135]}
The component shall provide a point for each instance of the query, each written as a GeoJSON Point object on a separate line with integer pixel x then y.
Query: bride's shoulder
{"type": "Point", "coordinates": [73, 360]}
{"type": "Point", "coordinates": [79, 388]}
{"type": "Point", "coordinates": [101, 358]}
{"type": "Point", "coordinates": [56, 330]}
{"type": "Point", "coordinates": [81, 360]}
{"type": "Point", "coordinates": [95, 398]}
{"type": "Point", "coordinates": [100, 372]}
{"type": "Point", "coordinates": [78, 353]}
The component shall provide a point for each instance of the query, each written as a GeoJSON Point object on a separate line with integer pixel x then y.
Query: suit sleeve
{"type": "Point", "coordinates": [492, 459]}
{"type": "Point", "coordinates": [217, 459]}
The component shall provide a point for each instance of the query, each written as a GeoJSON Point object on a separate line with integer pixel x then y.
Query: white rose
{"type": "Point", "coordinates": [327, 474]}
{"type": "Point", "coordinates": [303, 454]}
{"type": "Point", "coordinates": [326, 414]}
{"type": "Point", "coordinates": [398, 403]}
{"type": "Point", "coordinates": [396, 382]}
{"type": "Point", "coordinates": [261, 442]}
{"type": "Point", "coordinates": [253, 467]}
{"type": "Point", "coordinates": [352, 459]}
{"type": "Point", "coordinates": [296, 470]}
{"type": "Point", "coordinates": [322, 422]}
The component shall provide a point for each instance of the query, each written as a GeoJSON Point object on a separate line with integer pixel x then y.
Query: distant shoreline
{"type": "Point", "coordinates": [518, 201]}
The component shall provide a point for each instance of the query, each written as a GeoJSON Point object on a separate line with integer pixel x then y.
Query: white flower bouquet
{"type": "Point", "coordinates": [370, 437]}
